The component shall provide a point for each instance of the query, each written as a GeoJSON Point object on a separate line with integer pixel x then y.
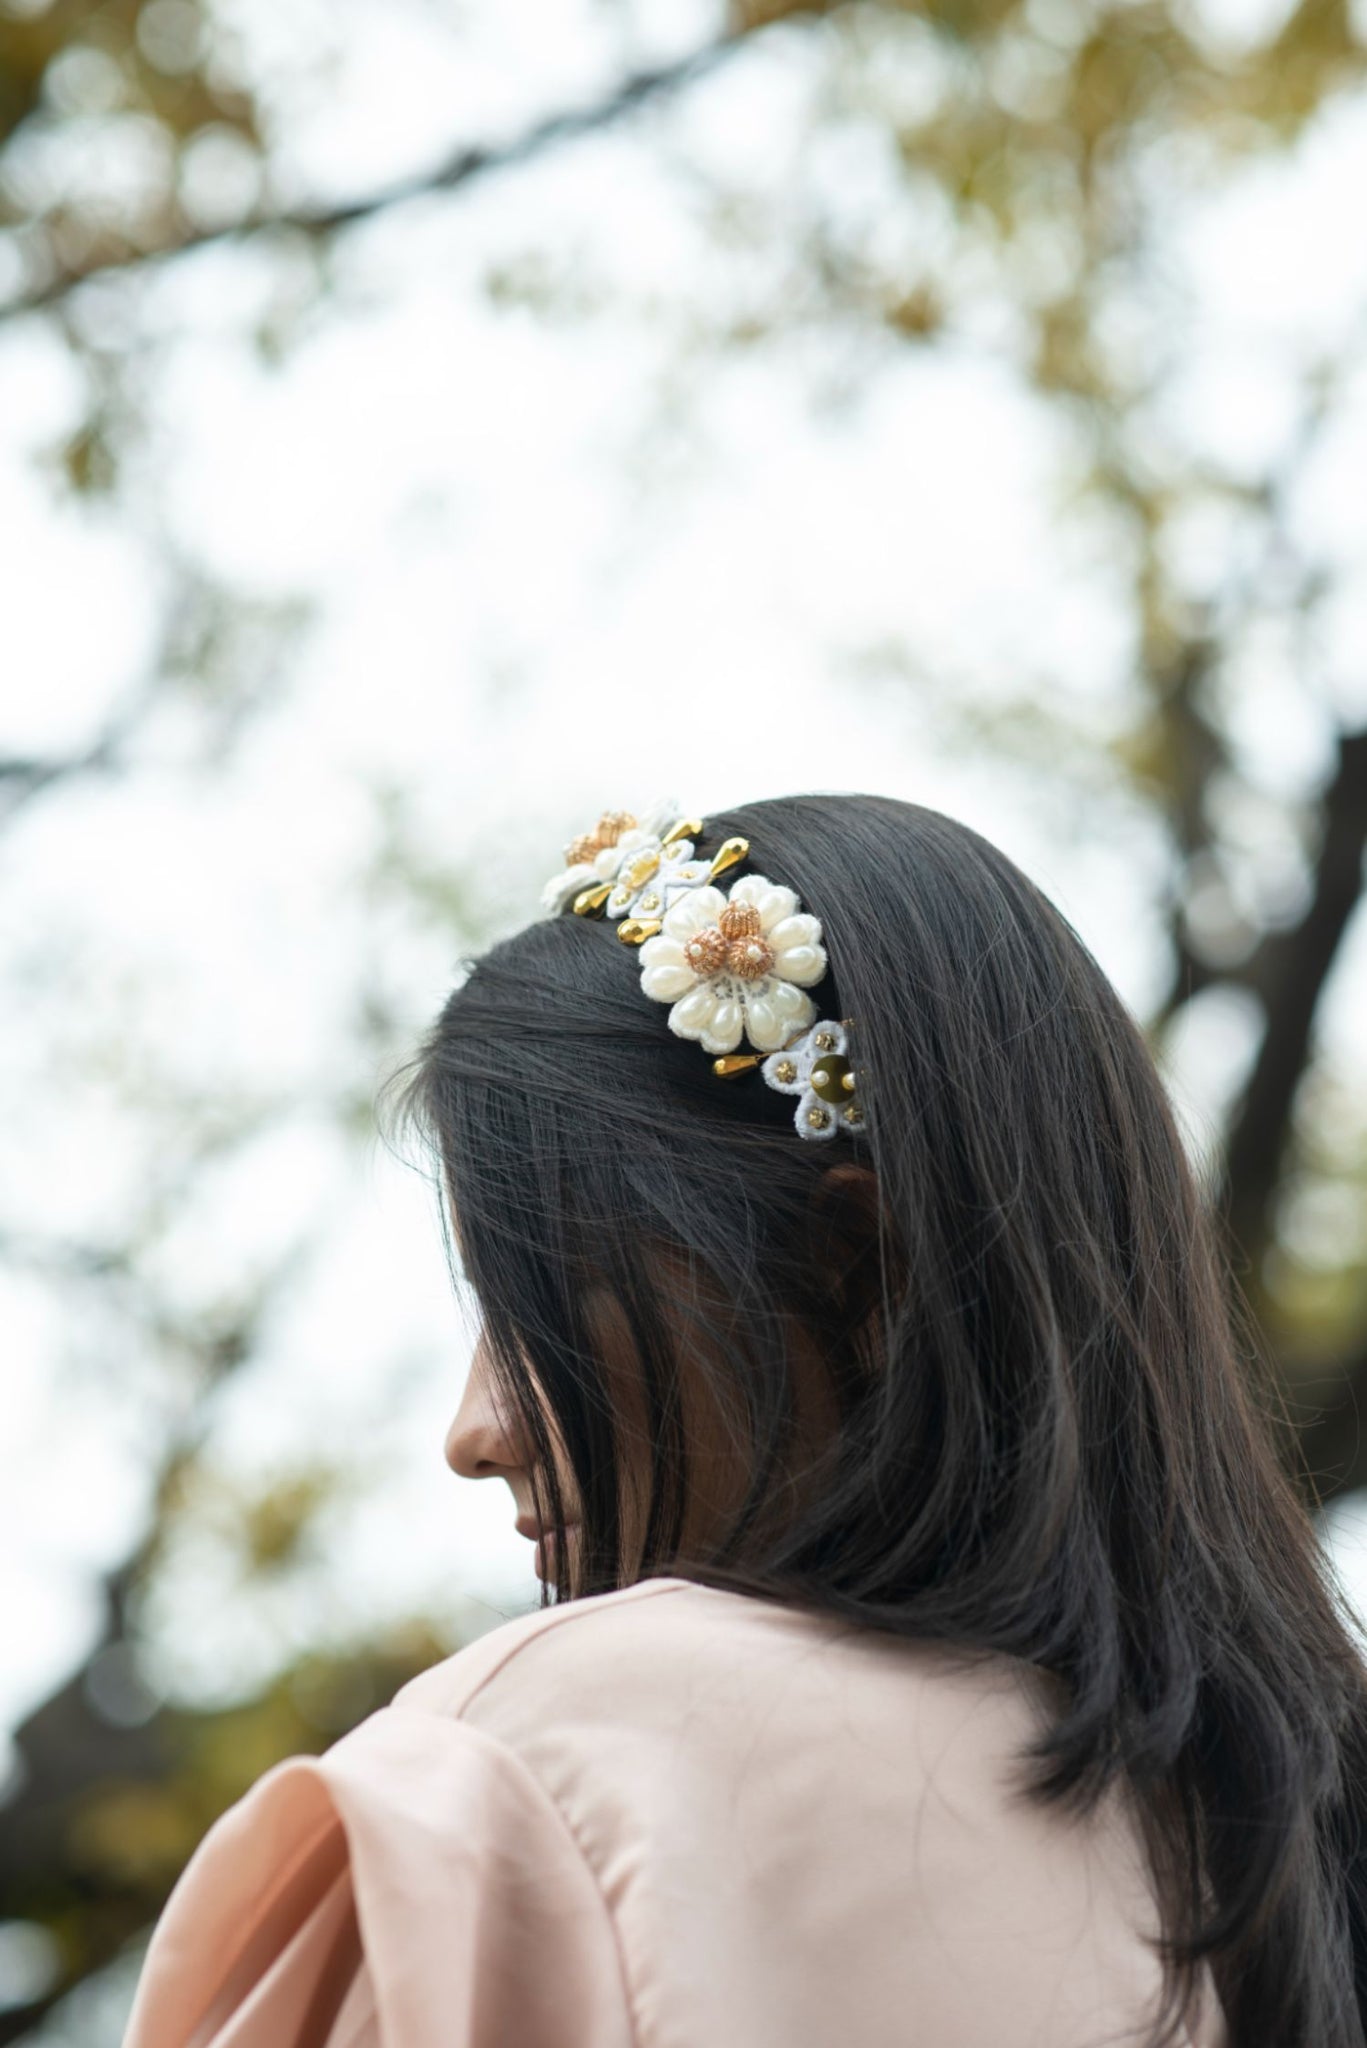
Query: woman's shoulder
{"type": "Point", "coordinates": [670, 1661]}
{"type": "Point", "coordinates": [573, 1634]}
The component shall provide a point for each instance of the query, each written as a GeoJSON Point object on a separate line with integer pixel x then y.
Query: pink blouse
{"type": "Point", "coordinates": [666, 1817]}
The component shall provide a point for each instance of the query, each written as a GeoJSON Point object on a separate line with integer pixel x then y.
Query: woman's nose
{"type": "Point", "coordinates": [478, 1445]}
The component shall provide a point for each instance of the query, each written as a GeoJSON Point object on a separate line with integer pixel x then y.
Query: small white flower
{"type": "Point", "coordinates": [736, 965]}
{"type": "Point", "coordinates": [816, 1068]}
{"type": "Point", "coordinates": [596, 855]}
{"type": "Point", "coordinates": [653, 876]}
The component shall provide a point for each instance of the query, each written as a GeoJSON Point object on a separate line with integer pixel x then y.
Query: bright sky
{"type": "Point", "coordinates": [557, 563]}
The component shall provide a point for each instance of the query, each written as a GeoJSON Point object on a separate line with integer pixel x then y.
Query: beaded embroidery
{"type": "Point", "coordinates": [732, 965]}
{"type": "Point", "coordinates": [736, 966]}
{"type": "Point", "coordinates": [816, 1068]}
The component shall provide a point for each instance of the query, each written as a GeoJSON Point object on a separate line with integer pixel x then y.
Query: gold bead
{"type": "Point", "coordinates": [735, 1063]}
{"type": "Point", "coordinates": [818, 1117]}
{"type": "Point", "coordinates": [786, 1070]}
{"type": "Point", "coordinates": [727, 854]}
{"type": "Point", "coordinates": [852, 1113]}
{"type": "Point", "coordinates": [749, 959]}
{"type": "Point", "coordinates": [706, 951]}
{"type": "Point", "coordinates": [650, 902]}
{"type": "Point", "coordinates": [739, 921]}
{"type": "Point", "coordinates": [824, 1041]}
{"type": "Point", "coordinates": [638, 868]}
{"type": "Point", "coordinates": [634, 931]}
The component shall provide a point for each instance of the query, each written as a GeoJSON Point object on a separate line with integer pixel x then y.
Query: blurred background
{"type": "Point", "coordinates": [426, 423]}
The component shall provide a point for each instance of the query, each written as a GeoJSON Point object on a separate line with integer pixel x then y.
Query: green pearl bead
{"type": "Point", "coordinates": [827, 1077]}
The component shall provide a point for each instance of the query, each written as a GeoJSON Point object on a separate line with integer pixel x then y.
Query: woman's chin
{"type": "Point", "coordinates": [544, 1558]}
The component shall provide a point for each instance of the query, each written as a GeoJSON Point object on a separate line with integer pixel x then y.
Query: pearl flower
{"type": "Point", "coordinates": [816, 1068]}
{"type": "Point", "coordinates": [598, 854]}
{"type": "Point", "coordinates": [735, 965]}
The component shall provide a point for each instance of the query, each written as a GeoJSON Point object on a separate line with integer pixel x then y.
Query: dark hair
{"type": "Point", "coordinates": [1056, 1440]}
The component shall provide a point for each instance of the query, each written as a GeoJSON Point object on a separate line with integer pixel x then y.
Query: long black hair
{"type": "Point", "coordinates": [1052, 1434]}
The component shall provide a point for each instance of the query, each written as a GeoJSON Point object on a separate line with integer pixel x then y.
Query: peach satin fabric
{"type": "Point", "coordinates": [666, 1817]}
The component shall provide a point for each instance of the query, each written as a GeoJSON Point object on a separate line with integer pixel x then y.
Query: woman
{"type": "Point", "coordinates": [940, 1655]}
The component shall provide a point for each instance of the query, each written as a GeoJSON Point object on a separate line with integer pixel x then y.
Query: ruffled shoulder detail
{"type": "Point", "coordinates": [413, 1887]}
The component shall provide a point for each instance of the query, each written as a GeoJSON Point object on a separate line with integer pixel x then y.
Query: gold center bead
{"type": "Point", "coordinates": [609, 829]}
{"type": "Point", "coordinates": [639, 868]}
{"type": "Point", "coordinates": [706, 951]}
{"type": "Point", "coordinates": [786, 1070]}
{"type": "Point", "coordinates": [751, 959]}
{"type": "Point", "coordinates": [748, 953]}
{"type": "Point", "coordinates": [818, 1118]}
{"type": "Point", "coordinates": [828, 1077]}
{"type": "Point", "coordinates": [739, 921]}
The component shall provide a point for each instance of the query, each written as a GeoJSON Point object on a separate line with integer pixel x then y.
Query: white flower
{"type": "Point", "coordinates": [817, 1069]}
{"type": "Point", "coordinates": [598, 853]}
{"type": "Point", "coordinates": [652, 876]}
{"type": "Point", "coordinates": [736, 965]}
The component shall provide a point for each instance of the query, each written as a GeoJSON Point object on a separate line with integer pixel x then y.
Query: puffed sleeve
{"type": "Point", "coordinates": [413, 1887]}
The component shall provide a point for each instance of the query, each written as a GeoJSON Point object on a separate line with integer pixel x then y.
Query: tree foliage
{"type": "Point", "coordinates": [1048, 139]}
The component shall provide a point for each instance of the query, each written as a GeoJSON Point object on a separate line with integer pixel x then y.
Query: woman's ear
{"type": "Point", "coordinates": [848, 1179]}
{"type": "Point", "coordinates": [843, 1226]}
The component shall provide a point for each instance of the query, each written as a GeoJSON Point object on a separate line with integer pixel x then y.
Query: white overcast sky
{"type": "Point", "coordinates": [557, 563]}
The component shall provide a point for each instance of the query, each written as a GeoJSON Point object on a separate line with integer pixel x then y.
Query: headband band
{"type": "Point", "coordinates": [733, 964]}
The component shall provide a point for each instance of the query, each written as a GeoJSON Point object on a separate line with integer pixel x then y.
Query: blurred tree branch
{"type": "Point", "coordinates": [23, 777]}
{"type": "Point", "coordinates": [464, 167]}
{"type": "Point", "coordinates": [220, 650]}
{"type": "Point", "coordinates": [1290, 971]}
{"type": "Point", "coordinates": [1028, 128]}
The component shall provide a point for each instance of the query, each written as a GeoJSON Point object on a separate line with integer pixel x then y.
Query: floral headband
{"type": "Point", "coordinates": [731, 964]}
